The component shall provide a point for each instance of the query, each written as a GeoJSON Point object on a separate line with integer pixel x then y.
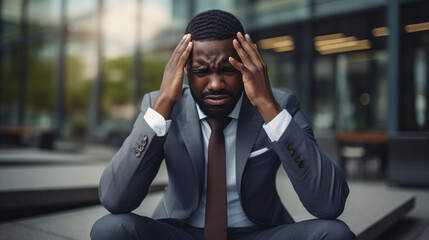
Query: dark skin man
{"type": "Point", "coordinates": [229, 65]}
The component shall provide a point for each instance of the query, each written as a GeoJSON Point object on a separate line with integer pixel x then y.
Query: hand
{"type": "Point", "coordinates": [172, 81]}
{"type": "Point", "coordinates": [255, 77]}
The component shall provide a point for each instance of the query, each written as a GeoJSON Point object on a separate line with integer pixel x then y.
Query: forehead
{"type": "Point", "coordinates": [209, 51]}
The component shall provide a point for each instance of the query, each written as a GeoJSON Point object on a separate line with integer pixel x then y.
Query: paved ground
{"type": "Point", "coordinates": [368, 210]}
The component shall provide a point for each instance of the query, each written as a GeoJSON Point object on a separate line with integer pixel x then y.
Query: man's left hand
{"type": "Point", "coordinates": [255, 77]}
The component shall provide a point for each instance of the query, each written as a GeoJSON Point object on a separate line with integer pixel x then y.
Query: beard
{"type": "Point", "coordinates": [220, 111]}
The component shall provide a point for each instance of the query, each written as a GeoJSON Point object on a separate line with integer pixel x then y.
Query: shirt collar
{"type": "Point", "coordinates": [233, 114]}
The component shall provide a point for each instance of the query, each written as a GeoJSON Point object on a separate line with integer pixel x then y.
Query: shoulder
{"type": "Point", "coordinates": [150, 97]}
{"type": "Point", "coordinates": [287, 100]}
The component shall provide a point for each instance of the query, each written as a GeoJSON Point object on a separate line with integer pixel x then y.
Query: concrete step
{"type": "Point", "coordinates": [34, 181]}
{"type": "Point", "coordinates": [369, 211]}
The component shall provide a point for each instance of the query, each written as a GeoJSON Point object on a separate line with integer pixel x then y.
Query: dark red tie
{"type": "Point", "coordinates": [216, 217]}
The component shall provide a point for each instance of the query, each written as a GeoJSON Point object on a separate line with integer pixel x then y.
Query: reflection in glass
{"type": "Point", "coordinates": [324, 91]}
{"type": "Point", "coordinates": [40, 84]}
{"type": "Point", "coordinates": [43, 14]}
{"type": "Point", "coordinates": [80, 70]}
{"type": "Point", "coordinates": [9, 87]}
{"type": "Point", "coordinates": [414, 75]}
{"type": "Point", "coordinates": [361, 91]}
{"type": "Point", "coordinates": [10, 19]}
{"type": "Point", "coordinates": [420, 81]}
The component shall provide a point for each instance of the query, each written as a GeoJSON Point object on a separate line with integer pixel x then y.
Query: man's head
{"type": "Point", "coordinates": [214, 25]}
{"type": "Point", "coordinates": [215, 84]}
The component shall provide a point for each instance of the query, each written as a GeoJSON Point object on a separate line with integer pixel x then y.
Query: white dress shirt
{"type": "Point", "coordinates": [236, 215]}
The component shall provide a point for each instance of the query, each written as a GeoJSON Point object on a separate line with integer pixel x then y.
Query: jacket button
{"type": "Point", "coordinates": [297, 158]}
{"type": "Point", "coordinates": [301, 164]}
{"type": "Point", "coordinates": [143, 144]}
{"type": "Point", "coordinates": [289, 146]}
{"type": "Point", "coordinates": [138, 153]}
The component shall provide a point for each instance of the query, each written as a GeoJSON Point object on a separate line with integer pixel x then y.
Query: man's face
{"type": "Point", "coordinates": [215, 84]}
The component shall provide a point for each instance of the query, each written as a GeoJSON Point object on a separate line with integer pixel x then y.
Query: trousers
{"type": "Point", "coordinates": [132, 226]}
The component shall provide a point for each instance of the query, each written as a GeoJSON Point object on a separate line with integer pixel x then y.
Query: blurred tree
{"type": "Point", "coordinates": [40, 85]}
{"type": "Point", "coordinates": [153, 70]}
{"type": "Point", "coordinates": [116, 83]}
{"type": "Point", "coordinates": [78, 87]}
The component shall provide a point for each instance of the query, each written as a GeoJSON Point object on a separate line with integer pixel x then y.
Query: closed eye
{"type": "Point", "coordinates": [201, 71]}
{"type": "Point", "coordinates": [228, 69]}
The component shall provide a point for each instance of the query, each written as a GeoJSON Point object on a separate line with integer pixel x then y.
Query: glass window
{"type": "Point", "coordinates": [350, 75]}
{"type": "Point", "coordinates": [324, 85]}
{"type": "Point", "coordinates": [414, 103]}
{"type": "Point", "coordinates": [9, 86]}
{"type": "Point", "coordinates": [201, 6]}
{"type": "Point", "coordinates": [279, 48]}
{"type": "Point", "coordinates": [42, 56]}
{"type": "Point", "coordinates": [119, 45]}
{"type": "Point", "coordinates": [43, 14]}
{"type": "Point", "coordinates": [40, 85]}
{"type": "Point", "coordinates": [10, 19]}
{"type": "Point", "coordinates": [77, 9]}
{"type": "Point", "coordinates": [80, 69]}
{"type": "Point", "coordinates": [274, 12]}
{"type": "Point", "coordinates": [10, 58]}
{"type": "Point", "coordinates": [163, 26]}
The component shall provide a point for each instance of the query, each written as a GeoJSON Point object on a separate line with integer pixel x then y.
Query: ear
{"type": "Point", "coordinates": [185, 69]}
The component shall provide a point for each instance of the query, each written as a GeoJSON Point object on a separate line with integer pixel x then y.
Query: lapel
{"type": "Point", "coordinates": [248, 127]}
{"type": "Point", "coordinates": [190, 129]}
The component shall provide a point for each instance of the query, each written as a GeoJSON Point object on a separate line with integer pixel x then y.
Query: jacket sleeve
{"type": "Point", "coordinates": [126, 180]}
{"type": "Point", "coordinates": [320, 185]}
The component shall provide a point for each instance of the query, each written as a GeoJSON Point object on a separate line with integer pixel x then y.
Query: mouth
{"type": "Point", "coordinates": [216, 100]}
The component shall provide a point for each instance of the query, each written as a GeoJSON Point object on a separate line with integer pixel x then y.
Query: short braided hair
{"type": "Point", "coordinates": [214, 25]}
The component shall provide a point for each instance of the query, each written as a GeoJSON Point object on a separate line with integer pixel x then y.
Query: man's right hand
{"type": "Point", "coordinates": [172, 81]}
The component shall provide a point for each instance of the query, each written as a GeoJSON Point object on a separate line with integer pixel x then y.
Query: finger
{"type": "Point", "coordinates": [255, 47]}
{"type": "Point", "coordinates": [185, 55]}
{"type": "Point", "coordinates": [238, 65]}
{"type": "Point", "coordinates": [244, 56]}
{"type": "Point", "coordinates": [250, 41]}
{"type": "Point", "coordinates": [172, 58]}
{"type": "Point", "coordinates": [180, 48]}
{"type": "Point", "coordinates": [178, 53]}
{"type": "Point", "coordinates": [261, 60]}
{"type": "Point", "coordinates": [247, 46]}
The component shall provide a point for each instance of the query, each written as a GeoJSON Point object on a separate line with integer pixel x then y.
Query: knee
{"type": "Point", "coordinates": [335, 230]}
{"type": "Point", "coordinates": [116, 226]}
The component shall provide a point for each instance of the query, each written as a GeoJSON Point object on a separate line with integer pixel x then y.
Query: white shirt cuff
{"type": "Point", "coordinates": [276, 127]}
{"type": "Point", "coordinates": [157, 122]}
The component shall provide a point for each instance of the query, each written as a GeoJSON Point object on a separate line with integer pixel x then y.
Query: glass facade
{"type": "Point", "coordinates": [11, 12]}
{"type": "Point", "coordinates": [80, 68]}
{"type": "Point", "coordinates": [414, 99]}
{"type": "Point", "coordinates": [350, 73]}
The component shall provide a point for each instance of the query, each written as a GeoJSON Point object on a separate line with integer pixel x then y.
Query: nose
{"type": "Point", "coordinates": [216, 82]}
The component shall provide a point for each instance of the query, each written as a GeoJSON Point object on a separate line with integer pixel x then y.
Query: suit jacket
{"type": "Point", "coordinates": [319, 184]}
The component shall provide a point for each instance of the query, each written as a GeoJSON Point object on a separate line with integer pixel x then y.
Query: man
{"type": "Point", "coordinates": [223, 139]}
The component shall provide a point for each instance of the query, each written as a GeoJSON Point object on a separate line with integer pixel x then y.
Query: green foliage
{"type": "Point", "coordinates": [77, 87]}
{"type": "Point", "coordinates": [9, 77]}
{"type": "Point", "coordinates": [40, 84]}
{"type": "Point", "coordinates": [117, 88]}
{"type": "Point", "coordinates": [153, 70]}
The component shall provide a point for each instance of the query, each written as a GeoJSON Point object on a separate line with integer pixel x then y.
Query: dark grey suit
{"type": "Point", "coordinates": [318, 182]}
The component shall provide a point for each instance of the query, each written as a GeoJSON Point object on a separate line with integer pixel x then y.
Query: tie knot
{"type": "Point", "coordinates": [218, 124]}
